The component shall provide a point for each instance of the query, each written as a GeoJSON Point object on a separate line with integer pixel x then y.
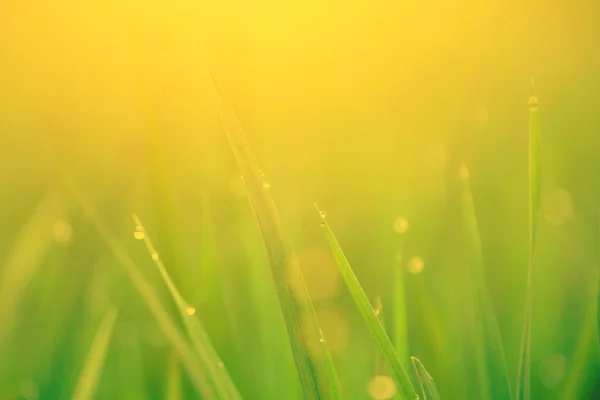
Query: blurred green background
{"type": "Point", "coordinates": [367, 108]}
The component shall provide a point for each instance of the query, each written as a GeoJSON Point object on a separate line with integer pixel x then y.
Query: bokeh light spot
{"type": "Point", "coordinates": [381, 387]}
{"type": "Point", "coordinates": [415, 265]}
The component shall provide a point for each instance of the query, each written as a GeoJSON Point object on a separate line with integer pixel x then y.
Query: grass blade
{"type": "Point", "coordinates": [368, 314]}
{"type": "Point", "coordinates": [173, 379]}
{"type": "Point", "coordinates": [524, 371]}
{"type": "Point", "coordinates": [400, 326]}
{"type": "Point", "coordinates": [219, 377]}
{"type": "Point", "coordinates": [90, 375]}
{"type": "Point", "coordinates": [428, 387]}
{"type": "Point", "coordinates": [164, 321]}
{"type": "Point", "coordinates": [316, 373]}
{"type": "Point", "coordinates": [491, 363]}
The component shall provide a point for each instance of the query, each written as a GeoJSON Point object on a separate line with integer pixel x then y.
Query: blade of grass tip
{"type": "Point", "coordinates": [26, 256]}
{"type": "Point", "coordinates": [173, 379]}
{"type": "Point", "coordinates": [400, 318]}
{"type": "Point", "coordinates": [200, 341]}
{"type": "Point", "coordinates": [362, 302]}
{"type": "Point", "coordinates": [428, 387]}
{"type": "Point", "coordinates": [90, 375]}
{"type": "Point", "coordinates": [491, 363]}
{"type": "Point", "coordinates": [317, 375]}
{"type": "Point", "coordinates": [524, 371]}
{"type": "Point", "coordinates": [164, 321]}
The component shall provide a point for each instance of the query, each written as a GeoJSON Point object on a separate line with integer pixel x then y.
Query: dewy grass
{"type": "Point", "coordinates": [22, 264]}
{"type": "Point", "coordinates": [491, 364]}
{"type": "Point", "coordinates": [368, 313]}
{"type": "Point", "coordinates": [164, 321]}
{"type": "Point", "coordinates": [316, 372]}
{"type": "Point", "coordinates": [220, 379]}
{"type": "Point", "coordinates": [428, 387]}
{"type": "Point", "coordinates": [524, 371]}
{"type": "Point", "coordinates": [90, 375]}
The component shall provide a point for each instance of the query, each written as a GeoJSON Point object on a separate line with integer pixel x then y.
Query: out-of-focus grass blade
{"type": "Point", "coordinates": [200, 341]}
{"type": "Point", "coordinates": [208, 285]}
{"type": "Point", "coordinates": [316, 373]}
{"type": "Point", "coordinates": [578, 382]}
{"type": "Point", "coordinates": [428, 387]}
{"type": "Point", "coordinates": [164, 321]}
{"type": "Point", "coordinates": [367, 311]}
{"type": "Point", "coordinates": [524, 371]}
{"type": "Point", "coordinates": [598, 281]}
{"type": "Point", "coordinates": [491, 365]}
{"type": "Point", "coordinates": [173, 379]}
{"type": "Point", "coordinates": [23, 261]}
{"type": "Point", "coordinates": [400, 318]}
{"type": "Point", "coordinates": [90, 375]}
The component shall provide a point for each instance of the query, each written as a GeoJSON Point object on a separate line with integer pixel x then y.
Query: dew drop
{"type": "Point", "coordinates": [266, 184]}
{"type": "Point", "coordinates": [377, 310]}
{"type": "Point", "coordinates": [534, 104]}
{"type": "Point", "coordinates": [323, 214]}
{"type": "Point", "coordinates": [155, 256]}
{"type": "Point", "coordinates": [138, 235]}
{"type": "Point", "coordinates": [190, 310]}
{"type": "Point", "coordinates": [321, 336]}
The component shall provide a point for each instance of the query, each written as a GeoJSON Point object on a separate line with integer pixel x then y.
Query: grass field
{"type": "Point", "coordinates": [285, 200]}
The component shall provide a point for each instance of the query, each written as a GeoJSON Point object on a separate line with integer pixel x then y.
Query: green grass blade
{"type": "Point", "coordinates": [428, 387]}
{"type": "Point", "coordinates": [316, 373]}
{"type": "Point", "coordinates": [90, 375]}
{"type": "Point", "coordinates": [200, 341]}
{"type": "Point", "coordinates": [400, 317]}
{"type": "Point", "coordinates": [173, 379]}
{"type": "Point", "coordinates": [368, 314]}
{"type": "Point", "coordinates": [164, 321]}
{"type": "Point", "coordinates": [207, 282]}
{"type": "Point", "coordinates": [578, 382]}
{"type": "Point", "coordinates": [491, 363]}
{"type": "Point", "coordinates": [524, 371]}
{"type": "Point", "coordinates": [25, 258]}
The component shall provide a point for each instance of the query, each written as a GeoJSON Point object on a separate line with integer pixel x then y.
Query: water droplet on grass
{"type": "Point", "coordinates": [321, 336]}
{"type": "Point", "coordinates": [534, 104]}
{"type": "Point", "coordinates": [138, 235]}
{"type": "Point", "coordinates": [155, 256]}
{"type": "Point", "coordinates": [190, 310]}
{"type": "Point", "coordinates": [266, 184]}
